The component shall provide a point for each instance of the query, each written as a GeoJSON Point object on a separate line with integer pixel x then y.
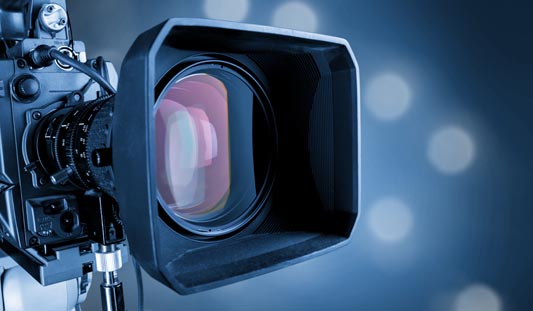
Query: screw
{"type": "Point", "coordinates": [36, 115]}
{"type": "Point", "coordinates": [21, 63]}
{"type": "Point", "coordinates": [42, 181]}
{"type": "Point", "coordinates": [77, 97]}
{"type": "Point", "coordinates": [62, 22]}
{"type": "Point", "coordinates": [50, 8]}
{"type": "Point", "coordinates": [33, 240]}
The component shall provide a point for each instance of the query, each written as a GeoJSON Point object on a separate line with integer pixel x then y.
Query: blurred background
{"type": "Point", "coordinates": [447, 118]}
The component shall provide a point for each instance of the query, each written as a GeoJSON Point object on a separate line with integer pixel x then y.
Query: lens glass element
{"type": "Point", "coordinates": [193, 161]}
{"type": "Point", "coordinates": [214, 147]}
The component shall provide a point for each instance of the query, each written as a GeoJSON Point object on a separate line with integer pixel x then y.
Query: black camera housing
{"type": "Point", "coordinates": [49, 224]}
{"type": "Point", "coordinates": [313, 87]}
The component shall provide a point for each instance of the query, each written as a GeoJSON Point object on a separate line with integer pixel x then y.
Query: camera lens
{"type": "Point", "coordinates": [210, 178]}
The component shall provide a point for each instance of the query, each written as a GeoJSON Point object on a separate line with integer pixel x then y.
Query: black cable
{"type": "Point", "coordinates": [140, 287]}
{"type": "Point", "coordinates": [70, 33]}
{"type": "Point", "coordinates": [64, 59]}
{"type": "Point", "coordinates": [101, 66]}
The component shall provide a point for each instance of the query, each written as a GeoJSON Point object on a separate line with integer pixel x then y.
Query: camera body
{"type": "Point", "coordinates": [50, 218]}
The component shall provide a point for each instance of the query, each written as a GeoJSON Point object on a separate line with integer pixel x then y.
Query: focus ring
{"type": "Point", "coordinates": [68, 144]}
{"type": "Point", "coordinates": [79, 155]}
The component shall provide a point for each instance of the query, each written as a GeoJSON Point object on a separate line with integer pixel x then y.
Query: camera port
{"type": "Point", "coordinates": [67, 222]}
{"type": "Point", "coordinates": [70, 53]}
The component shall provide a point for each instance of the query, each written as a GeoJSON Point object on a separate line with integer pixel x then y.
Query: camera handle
{"type": "Point", "coordinates": [109, 261]}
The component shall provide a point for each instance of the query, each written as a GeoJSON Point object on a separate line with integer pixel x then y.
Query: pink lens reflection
{"type": "Point", "coordinates": [192, 147]}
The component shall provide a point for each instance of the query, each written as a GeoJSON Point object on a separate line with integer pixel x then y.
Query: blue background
{"type": "Point", "coordinates": [466, 64]}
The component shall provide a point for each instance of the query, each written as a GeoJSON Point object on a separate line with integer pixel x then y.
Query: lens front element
{"type": "Point", "coordinates": [193, 147]}
{"type": "Point", "coordinates": [209, 173]}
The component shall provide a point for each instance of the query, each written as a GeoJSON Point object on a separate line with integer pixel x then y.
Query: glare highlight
{"type": "Point", "coordinates": [451, 150]}
{"type": "Point", "coordinates": [230, 10]}
{"type": "Point", "coordinates": [388, 97]}
{"type": "Point", "coordinates": [390, 220]}
{"type": "Point", "coordinates": [478, 297]}
{"type": "Point", "coordinates": [295, 15]}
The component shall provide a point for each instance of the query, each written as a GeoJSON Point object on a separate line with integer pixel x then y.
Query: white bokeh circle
{"type": "Point", "coordinates": [451, 150]}
{"type": "Point", "coordinates": [390, 220]}
{"type": "Point", "coordinates": [388, 96]}
{"type": "Point", "coordinates": [295, 15]}
{"type": "Point", "coordinates": [230, 10]}
{"type": "Point", "coordinates": [477, 297]}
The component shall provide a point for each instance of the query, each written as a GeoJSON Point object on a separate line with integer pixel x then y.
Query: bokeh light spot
{"type": "Point", "coordinates": [388, 97]}
{"type": "Point", "coordinates": [230, 10]}
{"type": "Point", "coordinates": [390, 220]}
{"type": "Point", "coordinates": [451, 150]}
{"type": "Point", "coordinates": [478, 297]}
{"type": "Point", "coordinates": [295, 15]}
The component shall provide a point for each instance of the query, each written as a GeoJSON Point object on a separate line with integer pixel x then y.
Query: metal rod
{"type": "Point", "coordinates": [111, 289]}
{"type": "Point", "coordinates": [112, 296]}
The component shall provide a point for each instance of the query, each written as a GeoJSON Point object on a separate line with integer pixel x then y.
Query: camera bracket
{"type": "Point", "coordinates": [18, 291]}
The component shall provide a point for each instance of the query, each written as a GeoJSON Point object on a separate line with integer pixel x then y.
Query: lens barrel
{"type": "Point", "coordinates": [73, 145]}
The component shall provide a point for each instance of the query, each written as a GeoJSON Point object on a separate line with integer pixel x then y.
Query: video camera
{"type": "Point", "coordinates": [228, 151]}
